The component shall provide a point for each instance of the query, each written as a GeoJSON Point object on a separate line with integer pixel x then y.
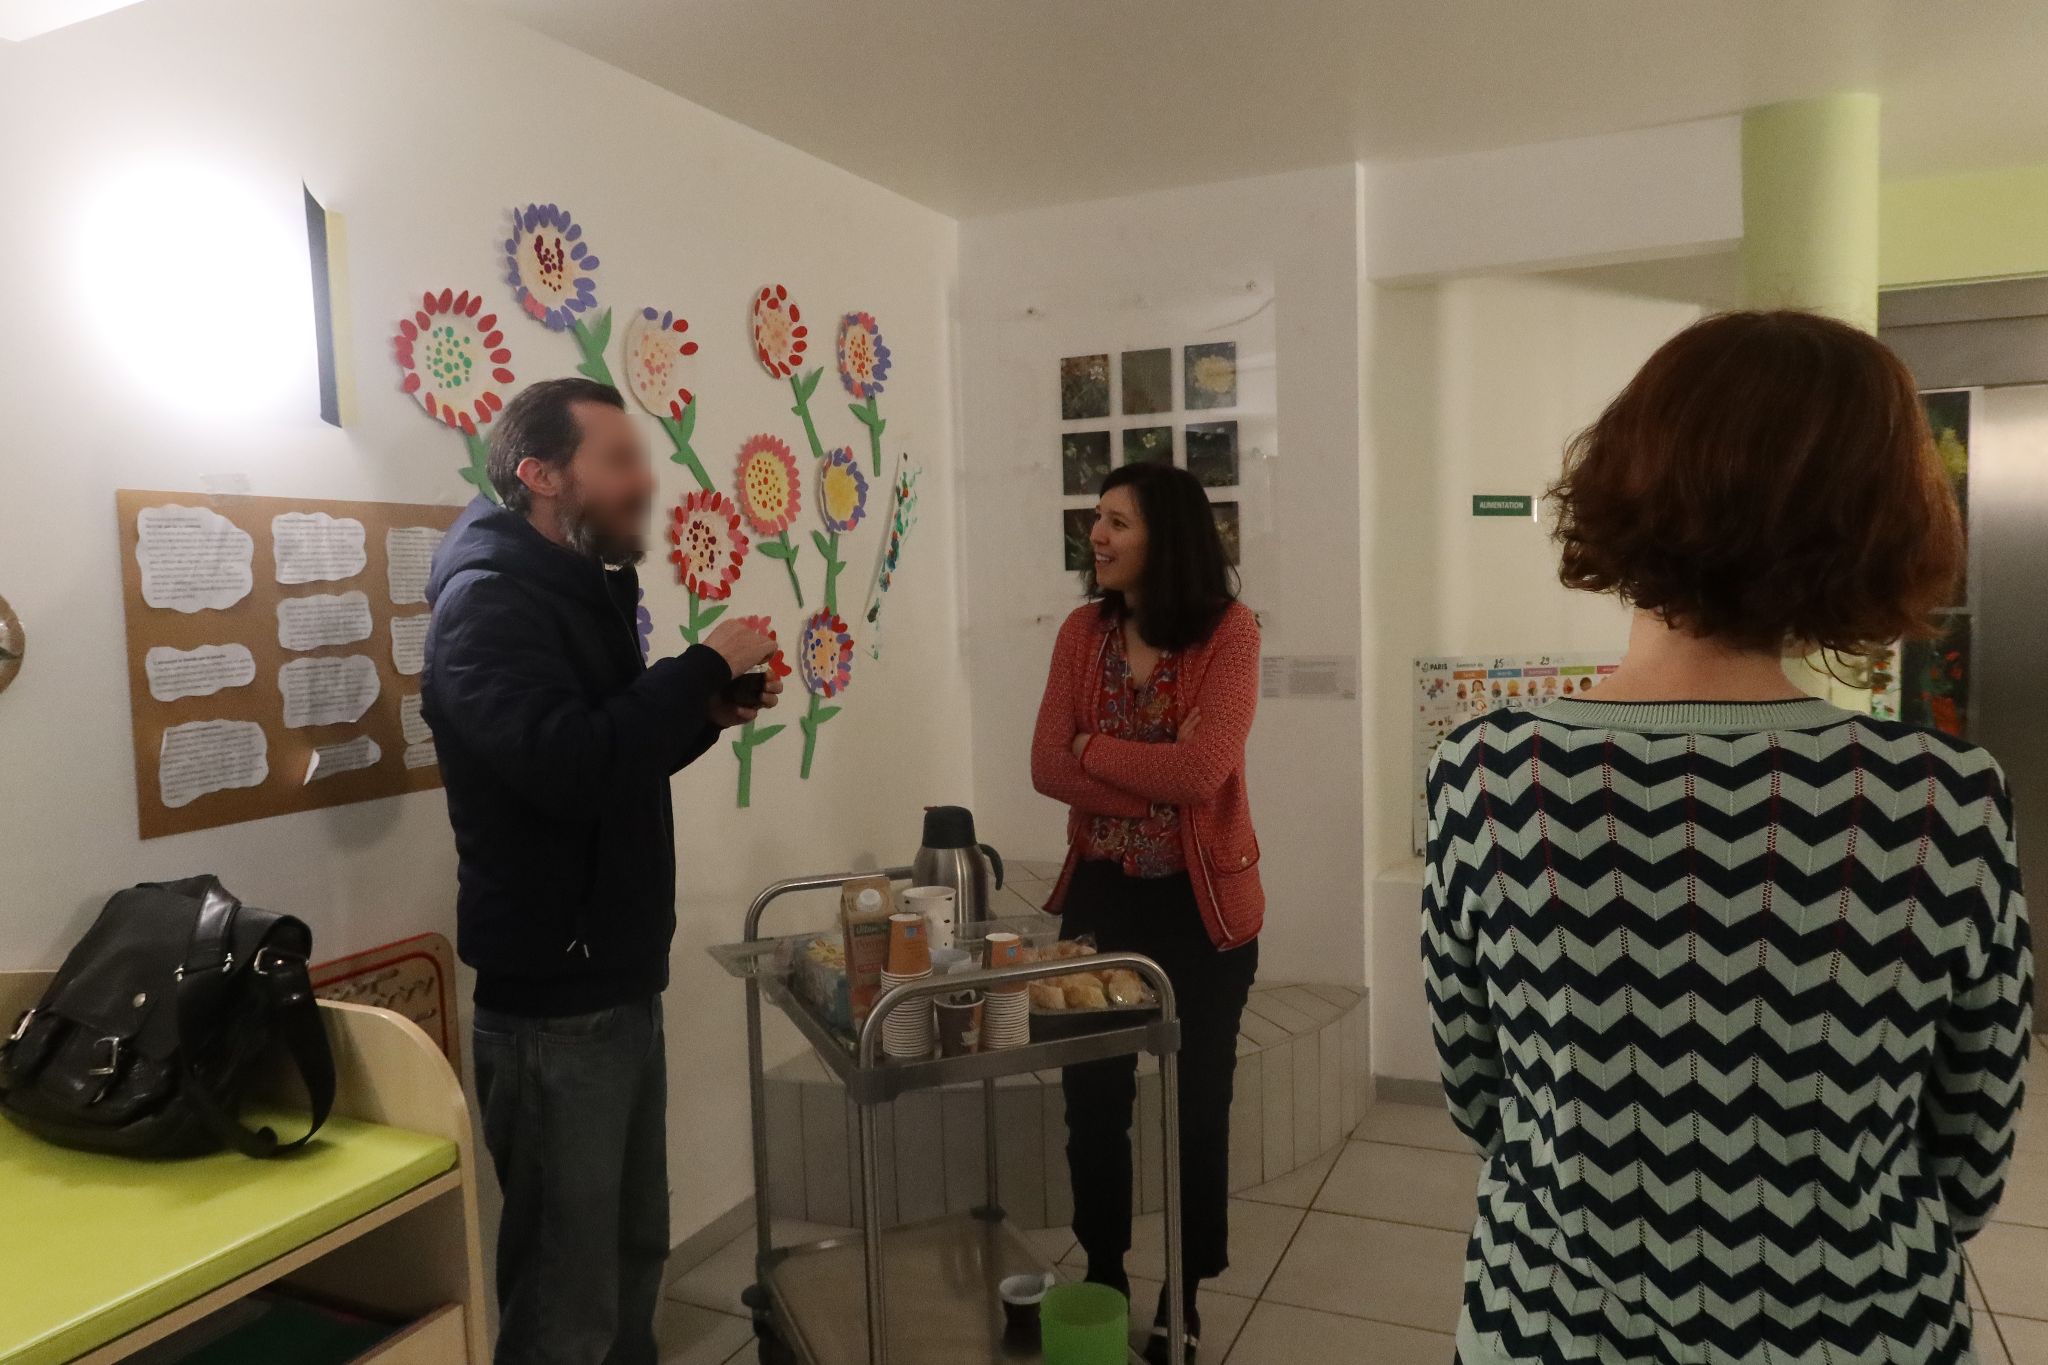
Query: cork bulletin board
{"type": "Point", "coordinates": [273, 653]}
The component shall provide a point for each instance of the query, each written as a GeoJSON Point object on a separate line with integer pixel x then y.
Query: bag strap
{"type": "Point", "coordinates": [283, 977]}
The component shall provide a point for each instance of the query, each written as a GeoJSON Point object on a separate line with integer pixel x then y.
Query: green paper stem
{"type": "Point", "coordinates": [814, 717]}
{"type": "Point", "coordinates": [803, 386]}
{"type": "Point", "coordinates": [478, 471]}
{"type": "Point", "coordinates": [702, 618]}
{"type": "Point", "coordinates": [679, 431]}
{"type": "Point", "coordinates": [870, 416]}
{"type": "Point", "coordinates": [828, 546]}
{"type": "Point", "coordinates": [751, 738]}
{"type": "Point", "coordinates": [592, 341]}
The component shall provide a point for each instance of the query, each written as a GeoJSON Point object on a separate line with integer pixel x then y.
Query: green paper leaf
{"type": "Point", "coordinates": [808, 384]}
{"type": "Point", "coordinates": [601, 334]}
{"type": "Point", "coordinates": [766, 733]}
{"type": "Point", "coordinates": [825, 713]}
{"type": "Point", "coordinates": [824, 545]}
{"type": "Point", "coordinates": [775, 549]}
{"type": "Point", "coordinates": [709, 618]}
{"type": "Point", "coordinates": [687, 423]}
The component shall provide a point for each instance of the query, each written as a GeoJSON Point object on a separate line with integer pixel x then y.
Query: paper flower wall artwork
{"type": "Point", "coordinates": [553, 274]}
{"type": "Point", "coordinates": [902, 517]}
{"type": "Point", "coordinates": [825, 659]}
{"type": "Point", "coordinates": [863, 365]}
{"type": "Point", "coordinates": [771, 494]}
{"type": "Point", "coordinates": [454, 361]}
{"type": "Point", "coordinates": [657, 344]}
{"type": "Point", "coordinates": [780, 337]}
{"type": "Point", "coordinates": [710, 550]}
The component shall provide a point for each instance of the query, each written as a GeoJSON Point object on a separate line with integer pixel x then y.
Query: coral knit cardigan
{"type": "Point", "coordinates": [1203, 776]}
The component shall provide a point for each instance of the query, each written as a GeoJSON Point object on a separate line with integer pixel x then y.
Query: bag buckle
{"type": "Point", "coordinates": [271, 961]}
{"type": "Point", "coordinates": [21, 1026]}
{"type": "Point", "coordinates": [113, 1063]}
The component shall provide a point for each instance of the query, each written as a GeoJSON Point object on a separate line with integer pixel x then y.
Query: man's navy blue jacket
{"type": "Point", "coordinates": [556, 744]}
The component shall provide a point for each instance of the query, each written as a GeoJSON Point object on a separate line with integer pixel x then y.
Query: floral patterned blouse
{"type": "Point", "coordinates": [1148, 712]}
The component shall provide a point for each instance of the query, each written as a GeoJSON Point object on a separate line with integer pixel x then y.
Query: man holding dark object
{"type": "Point", "coordinates": [557, 743]}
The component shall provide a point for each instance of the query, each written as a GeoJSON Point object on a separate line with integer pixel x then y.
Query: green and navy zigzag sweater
{"type": "Point", "coordinates": [1735, 1000]}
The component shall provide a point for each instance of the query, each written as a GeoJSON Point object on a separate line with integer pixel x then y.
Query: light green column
{"type": "Point", "coordinates": [1809, 240]}
{"type": "Point", "coordinates": [1810, 206]}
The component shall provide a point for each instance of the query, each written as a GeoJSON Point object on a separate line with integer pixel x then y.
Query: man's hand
{"type": "Point", "coordinates": [745, 649]}
{"type": "Point", "coordinates": [725, 714]}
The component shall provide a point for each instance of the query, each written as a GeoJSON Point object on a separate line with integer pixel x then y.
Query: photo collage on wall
{"type": "Point", "coordinates": [1164, 405]}
{"type": "Point", "coordinates": [1927, 682]}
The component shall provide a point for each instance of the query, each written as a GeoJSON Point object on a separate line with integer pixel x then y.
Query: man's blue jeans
{"type": "Point", "coordinates": [575, 1118]}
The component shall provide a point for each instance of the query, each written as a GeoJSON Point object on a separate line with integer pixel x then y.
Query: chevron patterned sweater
{"type": "Point", "coordinates": [1735, 1001]}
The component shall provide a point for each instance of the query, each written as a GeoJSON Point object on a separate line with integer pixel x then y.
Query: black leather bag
{"type": "Point", "coordinates": [147, 1040]}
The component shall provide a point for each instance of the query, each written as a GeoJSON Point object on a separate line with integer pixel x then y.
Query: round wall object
{"type": "Point", "coordinates": [13, 644]}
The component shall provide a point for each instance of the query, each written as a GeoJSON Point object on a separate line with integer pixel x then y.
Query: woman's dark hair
{"type": "Point", "coordinates": [540, 424]}
{"type": "Point", "coordinates": [1188, 583]}
{"type": "Point", "coordinates": [1767, 479]}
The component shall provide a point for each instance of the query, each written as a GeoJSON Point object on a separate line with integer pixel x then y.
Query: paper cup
{"type": "Point", "coordinates": [1006, 1020]}
{"type": "Point", "coordinates": [910, 944]}
{"type": "Point", "coordinates": [1005, 950]}
{"type": "Point", "coordinates": [938, 905]}
{"type": "Point", "coordinates": [959, 1019]}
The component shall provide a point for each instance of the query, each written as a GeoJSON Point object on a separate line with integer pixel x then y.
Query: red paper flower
{"type": "Point", "coordinates": [778, 332]}
{"type": "Point", "coordinates": [778, 665]}
{"type": "Point", "coordinates": [709, 546]}
{"type": "Point", "coordinates": [770, 494]}
{"type": "Point", "coordinates": [655, 351]}
{"type": "Point", "coordinates": [454, 360]}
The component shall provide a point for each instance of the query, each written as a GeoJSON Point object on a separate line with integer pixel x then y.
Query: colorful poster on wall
{"type": "Point", "coordinates": [1948, 415]}
{"type": "Point", "coordinates": [1927, 682]}
{"type": "Point", "coordinates": [1450, 691]}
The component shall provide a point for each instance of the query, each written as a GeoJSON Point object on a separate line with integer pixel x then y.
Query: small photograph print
{"type": "Point", "coordinates": [1078, 525]}
{"type": "Point", "coordinates": [1211, 375]}
{"type": "Point", "coordinates": [1148, 380]}
{"type": "Point", "coordinates": [1084, 387]}
{"type": "Point", "coordinates": [1148, 445]}
{"type": "Point", "coordinates": [1084, 462]}
{"type": "Point", "coordinates": [1227, 527]}
{"type": "Point", "coordinates": [1212, 453]}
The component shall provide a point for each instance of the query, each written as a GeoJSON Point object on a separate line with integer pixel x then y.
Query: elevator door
{"type": "Point", "coordinates": [2009, 565]}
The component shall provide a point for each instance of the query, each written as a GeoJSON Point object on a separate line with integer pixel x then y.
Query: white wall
{"type": "Point", "coordinates": [424, 123]}
{"type": "Point", "coordinates": [1088, 277]}
{"type": "Point", "coordinates": [1638, 195]}
{"type": "Point", "coordinates": [1473, 386]}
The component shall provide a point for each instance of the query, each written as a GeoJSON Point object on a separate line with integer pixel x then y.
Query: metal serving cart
{"type": "Point", "coordinates": [827, 1303]}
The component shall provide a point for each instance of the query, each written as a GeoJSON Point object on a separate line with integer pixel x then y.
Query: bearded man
{"type": "Point", "coordinates": [556, 742]}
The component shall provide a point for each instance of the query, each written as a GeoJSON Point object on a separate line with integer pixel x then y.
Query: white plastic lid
{"type": "Point", "coordinates": [870, 899]}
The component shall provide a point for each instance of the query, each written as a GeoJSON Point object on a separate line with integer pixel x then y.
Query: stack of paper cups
{"type": "Point", "coordinates": [907, 1033]}
{"type": "Point", "coordinates": [1005, 1019]}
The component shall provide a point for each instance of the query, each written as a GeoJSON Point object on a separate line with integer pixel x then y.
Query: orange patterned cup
{"type": "Point", "coordinates": [1006, 950]}
{"type": "Point", "coordinates": [910, 945]}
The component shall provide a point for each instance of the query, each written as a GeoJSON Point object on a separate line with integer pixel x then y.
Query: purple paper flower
{"type": "Point", "coordinates": [842, 492]}
{"type": "Point", "coordinates": [863, 358]}
{"type": "Point", "coordinates": [643, 624]}
{"type": "Point", "coordinates": [549, 266]}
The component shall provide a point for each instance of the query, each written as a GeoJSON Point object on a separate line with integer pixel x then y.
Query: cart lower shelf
{"type": "Point", "coordinates": [940, 1277]}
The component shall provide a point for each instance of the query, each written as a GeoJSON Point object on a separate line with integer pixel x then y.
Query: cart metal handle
{"type": "Point", "coordinates": [824, 881]}
{"type": "Point", "coordinates": [1152, 972]}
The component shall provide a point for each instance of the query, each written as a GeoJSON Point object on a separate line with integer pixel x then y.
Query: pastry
{"type": "Point", "coordinates": [1046, 995]}
{"type": "Point", "coordinates": [1083, 993]}
{"type": "Point", "coordinates": [1124, 989]}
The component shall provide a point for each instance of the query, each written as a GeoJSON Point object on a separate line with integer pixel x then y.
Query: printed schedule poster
{"type": "Point", "coordinates": [1451, 691]}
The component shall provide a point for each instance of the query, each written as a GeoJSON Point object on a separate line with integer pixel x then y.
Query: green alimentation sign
{"type": "Point", "coordinates": [1504, 505]}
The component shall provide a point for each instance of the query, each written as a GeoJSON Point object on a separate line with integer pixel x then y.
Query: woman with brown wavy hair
{"type": "Point", "coordinates": [1732, 987]}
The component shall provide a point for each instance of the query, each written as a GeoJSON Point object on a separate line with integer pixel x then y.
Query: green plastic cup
{"type": "Point", "coordinates": [1085, 1324]}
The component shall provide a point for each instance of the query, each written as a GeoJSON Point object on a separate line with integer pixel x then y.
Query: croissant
{"type": "Point", "coordinates": [1083, 993]}
{"type": "Point", "coordinates": [1046, 995]}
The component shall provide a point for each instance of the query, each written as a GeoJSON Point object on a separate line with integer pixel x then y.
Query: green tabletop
{"type": "Point", "coordinates": [99, 1245]}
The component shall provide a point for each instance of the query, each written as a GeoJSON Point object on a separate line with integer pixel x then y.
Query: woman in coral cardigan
{"type": "Point", "coordinates": [1142, 733]}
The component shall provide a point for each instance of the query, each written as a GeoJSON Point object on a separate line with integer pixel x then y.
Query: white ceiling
{"type": "Point", "coordinates": [977, 106]}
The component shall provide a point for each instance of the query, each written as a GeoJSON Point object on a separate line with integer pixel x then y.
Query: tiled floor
{"type": "Point", "coordinates": [1359, 1257]}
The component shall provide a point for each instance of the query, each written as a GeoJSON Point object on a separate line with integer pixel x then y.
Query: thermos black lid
{"type": "Point", "coordinates": [948, 827]}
